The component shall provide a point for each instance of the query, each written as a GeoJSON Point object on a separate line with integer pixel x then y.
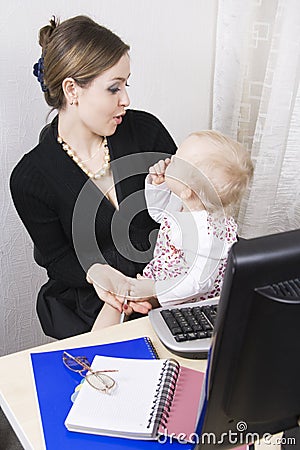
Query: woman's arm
{"type": "Point", "coordinates": [34, 204]}
{"type": "Point", "coordinates": [108, 316]}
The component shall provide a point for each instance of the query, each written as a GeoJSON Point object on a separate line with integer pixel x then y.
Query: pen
{"type": "Point", "coordinates": [122, 318]}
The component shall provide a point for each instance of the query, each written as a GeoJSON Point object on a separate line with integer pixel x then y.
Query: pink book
{"type": "Point", "coordinates": [184, 406]}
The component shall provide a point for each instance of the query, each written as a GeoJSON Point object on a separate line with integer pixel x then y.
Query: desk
{"type": "Point", "coordinates": [17, 391]}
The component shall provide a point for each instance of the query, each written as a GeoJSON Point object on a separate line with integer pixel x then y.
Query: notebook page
{"type": "Point", "coordinates": [126, 409]}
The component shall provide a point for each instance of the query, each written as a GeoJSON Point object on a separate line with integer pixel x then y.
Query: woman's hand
{"type": "Point", "coordinates": [110, 285]}
{"type": "Point", "coordinates": [157, 171]}
{"type": "Point", "coordinates": [113, 287]}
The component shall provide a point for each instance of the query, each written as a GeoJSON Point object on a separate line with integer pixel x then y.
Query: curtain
{"type": "Point", "coordinates": [256, 100]}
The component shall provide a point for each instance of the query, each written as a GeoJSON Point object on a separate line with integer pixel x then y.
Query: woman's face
{"type": "Point", "coordinates": [101, 105]}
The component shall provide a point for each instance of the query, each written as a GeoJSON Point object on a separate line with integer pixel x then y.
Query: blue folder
{"type": "Point", "coordinates": [55, 385]}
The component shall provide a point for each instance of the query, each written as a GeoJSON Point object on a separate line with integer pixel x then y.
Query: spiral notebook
{"type": "Point", "coordinates": [151, 397]}
{"type": "Point", "coordinates": [55, 385]}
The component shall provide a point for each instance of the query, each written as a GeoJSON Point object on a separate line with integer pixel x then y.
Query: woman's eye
{"type": "Point", "coordinates": [114, 89]}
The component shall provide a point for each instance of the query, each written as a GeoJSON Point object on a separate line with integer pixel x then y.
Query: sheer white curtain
{"type": "Point", "coordinates": [257, 101]}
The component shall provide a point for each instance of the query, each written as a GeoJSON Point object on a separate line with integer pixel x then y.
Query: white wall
{"type": "Point", "coordinates": [172, 53]}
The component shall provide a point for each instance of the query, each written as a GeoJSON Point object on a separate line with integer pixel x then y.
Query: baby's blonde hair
{"type": "Point", "coordinates": [228, 169]}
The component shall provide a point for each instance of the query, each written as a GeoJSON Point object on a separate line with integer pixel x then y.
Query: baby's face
{"type": "Point", "coordinates": [186, 161]}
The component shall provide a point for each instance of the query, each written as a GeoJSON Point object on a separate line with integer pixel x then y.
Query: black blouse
{"type": "Point", "coordinates": [73, 225]}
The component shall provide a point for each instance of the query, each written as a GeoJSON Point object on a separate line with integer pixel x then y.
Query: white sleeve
{"type": "Point", "coordinates": [159, 199]}
{"type": "Point", "coordinates": [203, 253]}
{"type": "Point", "coordinates": [199, 280]}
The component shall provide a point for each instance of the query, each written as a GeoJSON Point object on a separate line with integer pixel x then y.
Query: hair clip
{"type": "Point", "coordinates": [38, 71]}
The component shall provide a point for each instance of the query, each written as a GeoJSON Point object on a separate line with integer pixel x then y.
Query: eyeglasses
{"type": "Point", "coordinates": [97, 379]}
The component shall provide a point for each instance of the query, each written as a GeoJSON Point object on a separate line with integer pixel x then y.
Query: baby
{"type": "Point", "coordinates": [193, 196]}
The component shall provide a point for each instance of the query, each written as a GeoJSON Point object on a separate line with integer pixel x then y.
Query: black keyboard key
{"type": "Point", "coordinates": [196, 310]}
{"type": "Point", "coordinates": [210, 313]}
{"type": "Point", "coordinates": [187, 329]}
{"type": "Point", "coordinates": [172, 322]}
{"type": "Point", "coordinates": [176, 330]}
{"type": "Point", "coordinates": [197, 328]}
{"type": "Point", "coordinates": [177, 313]}
{"type": "Point", "coordinates": [202, 335]}
{"type": "Point", "coordinates": [183, 323]}
{"type": "Point", "coordinates": [206, 326]}
{"type": "Point", "coordinates": [180, 338]}
{"type": "Point", "coordinates": [192, 336]}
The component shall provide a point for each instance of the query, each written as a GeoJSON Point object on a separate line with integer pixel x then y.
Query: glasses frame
{"type": "Point", "coordinates": [83, 362]}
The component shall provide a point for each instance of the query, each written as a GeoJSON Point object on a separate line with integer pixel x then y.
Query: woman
{"type": "Point", "coordinates": [78, 192]}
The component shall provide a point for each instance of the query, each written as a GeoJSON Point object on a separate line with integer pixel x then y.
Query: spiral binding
{"type": "Point", "coordinates": [163, 398]}
{"type": "Point", "coordinates": [151, 347]}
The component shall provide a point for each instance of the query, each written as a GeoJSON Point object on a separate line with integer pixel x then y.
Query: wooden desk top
{"type": "Point", "coordinates": [17, 390]}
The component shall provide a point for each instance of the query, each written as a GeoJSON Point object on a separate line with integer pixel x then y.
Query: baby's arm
{"type": "Point", "coordinates": [170, 291]}
{"type": "Point", "coordinates": [143, 290]}
{"type": "Point", "coordinates": [159, 197]}
{"type": "Point", "coordinates": [183, 288]}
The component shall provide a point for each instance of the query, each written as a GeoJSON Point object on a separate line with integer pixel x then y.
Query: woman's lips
{"type": "Point", "coordinates": [118, 119]}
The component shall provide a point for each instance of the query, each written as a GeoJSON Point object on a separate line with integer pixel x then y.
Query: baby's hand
{"type": "Point", "coordinates": [157, 171]}
{"type": "Point", "coordinates": [140, 307]}
{"type": "Point", "coordinates": [140, 277]}
{"type": "Point", "coordinates": [141, 289]}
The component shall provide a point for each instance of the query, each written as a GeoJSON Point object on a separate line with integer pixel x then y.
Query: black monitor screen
{"type": "Point", "coordinates": [253, 384]}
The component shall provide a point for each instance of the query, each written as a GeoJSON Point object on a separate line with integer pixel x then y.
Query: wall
{"type": "Point", "coordinates": [172, 53]}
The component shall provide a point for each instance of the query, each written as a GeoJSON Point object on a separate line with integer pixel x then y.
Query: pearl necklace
{"type": "Point", "coordinates": [95, 175]}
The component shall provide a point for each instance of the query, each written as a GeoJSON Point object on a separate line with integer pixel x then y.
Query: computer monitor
{"type": "Point", "coordinates": [253, 378]}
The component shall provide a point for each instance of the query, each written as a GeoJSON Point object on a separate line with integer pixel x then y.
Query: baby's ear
{"type": "Point", "coordinates": [186, 193]}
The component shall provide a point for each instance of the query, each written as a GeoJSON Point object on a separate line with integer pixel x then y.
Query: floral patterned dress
{"type": "Point", "coordinates": [170, 258]}
{"type": "Point", "coordinates": [170, 262]}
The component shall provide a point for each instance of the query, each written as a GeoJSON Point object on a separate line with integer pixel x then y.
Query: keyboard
{"type": "Point", "coordinates": [186, 329]}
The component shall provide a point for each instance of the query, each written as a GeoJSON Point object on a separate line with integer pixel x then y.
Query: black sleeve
{"type": "Point", "coordinates": [152, 135]}
{"type": "Point", "coordinates": [34, 205]}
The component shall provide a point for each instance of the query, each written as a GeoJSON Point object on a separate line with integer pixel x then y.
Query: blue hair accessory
{"type": "Point", "coordinates": [38, 71]}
